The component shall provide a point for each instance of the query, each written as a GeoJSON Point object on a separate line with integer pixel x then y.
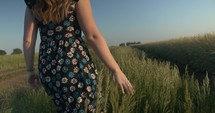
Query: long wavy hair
{"type": "Point", "coordinates": [51, 10]}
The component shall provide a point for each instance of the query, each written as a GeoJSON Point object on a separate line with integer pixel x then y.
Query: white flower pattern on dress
{"type": "Point", "coordinates": [59, 29]}
{"type": "Point", "coordinates": [66, 69]}
{"type": "Point", "coordinates": [64, 80]}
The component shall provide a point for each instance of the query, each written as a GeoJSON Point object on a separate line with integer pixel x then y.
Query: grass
{"type": "Point", "coordinates": [158, 89]}
{"type": "Point", "coordinates": [197, 53]}
{"type": "Point", "coordinates": [13, 65]}
{"type": "Point", "coordinates": [24, 100]}
{"type": "Point", "coordinates": [13, 62]}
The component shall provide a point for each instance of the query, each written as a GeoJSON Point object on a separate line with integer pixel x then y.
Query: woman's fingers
{"type": "Point", "coordinates": [37, 82]}
{"type": "Point", "coordinates": [122, 88]}
{"type": "Point", "coordinates": [33, 81]}
{"type": "Point", "coordinates": [129, 88]}
{"type": "Point", "coordinates": [124, 83]}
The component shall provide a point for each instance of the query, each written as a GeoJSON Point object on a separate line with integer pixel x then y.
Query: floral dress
{"type": "Point", "coordinates": [66, 70]}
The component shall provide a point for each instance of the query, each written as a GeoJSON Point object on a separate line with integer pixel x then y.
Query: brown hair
{"type": "Point", "coordinates": [51, 10]}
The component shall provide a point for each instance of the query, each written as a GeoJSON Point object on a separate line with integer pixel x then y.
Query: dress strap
{"type": "Point", "coordinates": [75, 1]}
{"type": "Point", "coordinates": [30, 3]}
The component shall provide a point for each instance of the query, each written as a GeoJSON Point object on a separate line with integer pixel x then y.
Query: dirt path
{"type": "Point", "coordinates": [11, 71]}
{"type": "Point", "coordinates": [13, 82]}
{"type": "Point", "coordinates": [12, 78]}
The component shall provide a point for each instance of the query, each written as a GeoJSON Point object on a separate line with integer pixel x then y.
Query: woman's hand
{"type": "Point", "coordinates": [99, 45]}
{"type": "Point", "coordinates": [123, 83]}
{"type": "Point", "coordinates": [33, 80]}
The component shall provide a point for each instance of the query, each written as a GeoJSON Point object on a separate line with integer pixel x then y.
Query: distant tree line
{"type": "Point", "coordinates": [129, 43]}
{"type": "Point", "coordinates": [3, 52]}
{"type": "Point", "coordinates": [15, 51]}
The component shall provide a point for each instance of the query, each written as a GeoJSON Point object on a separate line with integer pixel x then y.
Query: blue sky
{"type": "Point", "coordinates": [124, 20]}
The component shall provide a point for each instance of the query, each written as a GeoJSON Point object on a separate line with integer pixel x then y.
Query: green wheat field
{"type": "Point", "coordinates": [154, 69]}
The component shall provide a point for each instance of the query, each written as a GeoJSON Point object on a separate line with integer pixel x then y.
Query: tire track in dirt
{"type": "Point", "coordinates": [13, 82]}
{"type": "Point", "coordinates": [7, 72]}
{"type": "Point", "coordinates": [13, 74]}
{"type": "Point", "coordinates": [13, 78]}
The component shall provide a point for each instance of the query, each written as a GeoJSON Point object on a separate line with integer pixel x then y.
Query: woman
{"type": "Point", "coordinates": [66, 69]}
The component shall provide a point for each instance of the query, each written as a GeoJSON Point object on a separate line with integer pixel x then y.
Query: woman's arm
{"type": "Point", "coordinates": [29, 41]}
{"type": "Point", "coordinates": [95, 38]}
{"type": "Point", "coordinates": [99, 45]}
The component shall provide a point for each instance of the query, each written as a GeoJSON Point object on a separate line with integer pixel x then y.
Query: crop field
{"type": "Point", "coordinates": [159, 87]}
{"type": "Point", "coordinates": [196, 54]}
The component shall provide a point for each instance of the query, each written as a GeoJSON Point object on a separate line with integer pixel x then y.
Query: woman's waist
{"type": "Point", "coordinates": [64, 44]}
{"type": "Point", "coordinates": [60, 39]}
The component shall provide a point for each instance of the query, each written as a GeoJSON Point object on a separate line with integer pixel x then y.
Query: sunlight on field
{"type": "Point", "coordinates": [158, 89]}
{"type": "Point", "coordinates": [11, 62]}
{"type": "Point", "coordinates": [197, 53]}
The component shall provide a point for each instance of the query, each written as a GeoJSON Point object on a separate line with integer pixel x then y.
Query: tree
{"type": "Point", "coordinates": [122, 44]}
{"type": "Point", "coordinates": [16, 51]}
{"type": "Point", "coordinates": [3, 52]}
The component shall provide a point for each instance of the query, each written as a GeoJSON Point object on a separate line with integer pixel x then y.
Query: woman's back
{"type": "Point", "coordinates": [66, 69]}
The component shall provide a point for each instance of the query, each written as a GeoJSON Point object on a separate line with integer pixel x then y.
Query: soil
{"type": "Point", "coordinates": [13, 82]}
